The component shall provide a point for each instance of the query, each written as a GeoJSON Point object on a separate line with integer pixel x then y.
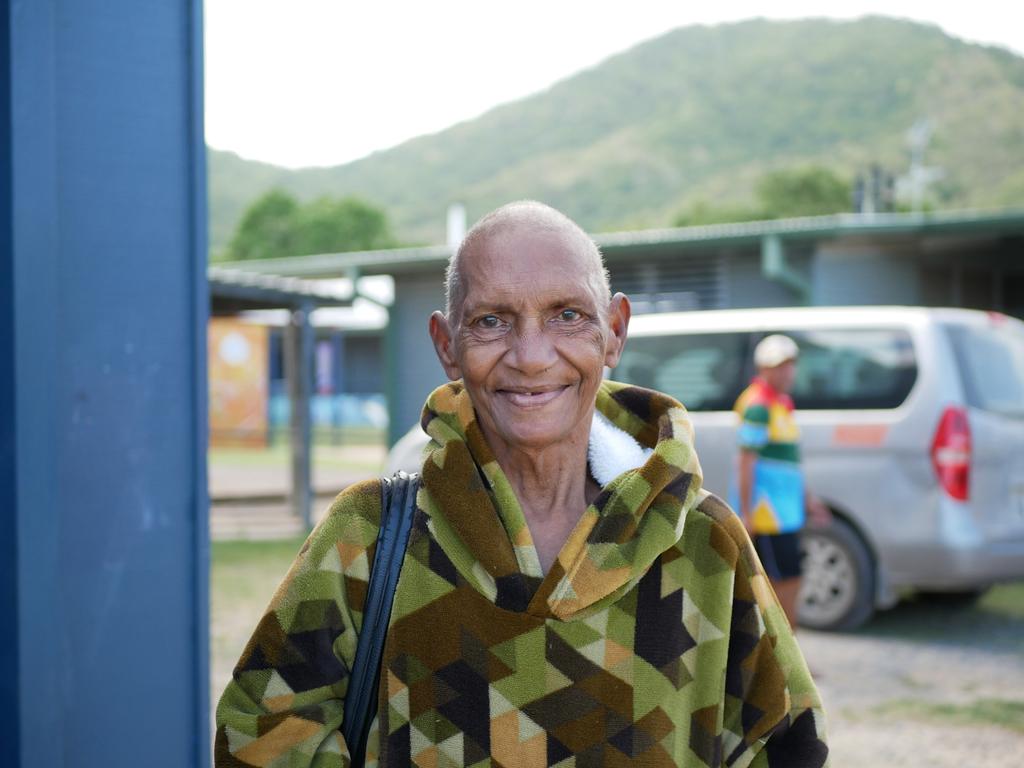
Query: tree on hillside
{"type": "Point", "coordinates": [808, 191]}
{"type": "Point", "coordinates": [267, 228]}
{"type": "Point", "coordinates": [276, 225]}
{"type": "Point", "coordinates": [703, 212]}
{"type": "Point", "coordinates": [330, 225]}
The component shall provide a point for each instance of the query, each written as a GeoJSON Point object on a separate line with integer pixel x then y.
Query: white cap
{"type": "Point", "coordinates": [775, 350]}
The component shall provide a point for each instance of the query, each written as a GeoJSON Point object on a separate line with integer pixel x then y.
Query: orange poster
{"type": "Point", "coordinates": [239, 373]}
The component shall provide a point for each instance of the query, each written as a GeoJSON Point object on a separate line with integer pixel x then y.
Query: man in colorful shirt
{"type": "Point", "coordinates": [772, 499]}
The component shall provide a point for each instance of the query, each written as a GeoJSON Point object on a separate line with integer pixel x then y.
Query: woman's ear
{"type": "Point", "coordinates": [618, 325]}
{"type": "Point", "coordinates": [441, 335]}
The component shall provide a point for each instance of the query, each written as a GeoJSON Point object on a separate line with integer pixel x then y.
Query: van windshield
{"type": "Point", "coordinates": [991, 365]}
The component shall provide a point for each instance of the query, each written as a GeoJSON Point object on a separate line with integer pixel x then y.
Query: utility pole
{"type": "Point", "coordinates": [919, 176]}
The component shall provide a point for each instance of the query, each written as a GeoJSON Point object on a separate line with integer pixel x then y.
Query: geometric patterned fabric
{"type": "Point", "coordinates": [654, 639]}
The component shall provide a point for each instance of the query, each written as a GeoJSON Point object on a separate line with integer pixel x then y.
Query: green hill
{"type": "Point", "coordinates": [695, 115]}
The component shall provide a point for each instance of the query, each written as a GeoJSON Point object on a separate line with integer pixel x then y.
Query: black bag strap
{"type": "Point", "coordinates": [398, 504]}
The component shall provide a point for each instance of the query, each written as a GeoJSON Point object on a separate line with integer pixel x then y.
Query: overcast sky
{"type": "Point", "coordinates": [321, 82]}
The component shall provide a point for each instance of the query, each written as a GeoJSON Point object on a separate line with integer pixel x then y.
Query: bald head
{"type": "Point", "coordinates": [526, 216]}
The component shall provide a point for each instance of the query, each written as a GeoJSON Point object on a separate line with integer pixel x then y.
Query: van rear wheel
{"type": "Point", "coordinates": [837, 586]}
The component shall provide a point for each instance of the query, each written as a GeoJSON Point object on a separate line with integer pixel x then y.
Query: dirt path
{"type": "Point", "coordinates": [920, 685]}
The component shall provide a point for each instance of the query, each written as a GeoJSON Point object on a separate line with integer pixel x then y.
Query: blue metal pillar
{"type": "Point", "coordinates": [10, 720]}
{"type": "Point", "coordinates": [103, 510]}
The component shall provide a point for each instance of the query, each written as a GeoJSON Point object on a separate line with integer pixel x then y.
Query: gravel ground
{"type": "Point", "coordinates": [881, 686]}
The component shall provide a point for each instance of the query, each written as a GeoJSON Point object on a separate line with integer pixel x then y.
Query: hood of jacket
{"type": "Point", "coordinates": [641, 453]}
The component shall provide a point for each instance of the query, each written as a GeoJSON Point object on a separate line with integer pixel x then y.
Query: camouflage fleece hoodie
{"type": "Point", "coordinates": [654, 639]}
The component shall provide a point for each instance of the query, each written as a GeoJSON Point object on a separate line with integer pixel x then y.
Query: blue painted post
{"type": "Point", "coordinates": [103, 509]}
{"type": "Point", "coordinates": [10, 667]}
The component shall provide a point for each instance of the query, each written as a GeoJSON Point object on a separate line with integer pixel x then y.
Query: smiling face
{"type": "Point", "coordinates": [531, 338]}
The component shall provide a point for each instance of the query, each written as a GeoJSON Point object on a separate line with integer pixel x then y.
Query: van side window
{"type": "Point", "coordinates": [705, 372]}
{"type": "Point", "coordinates": [992, 366]}
{"type": "Point", "coordinates": [853, 368]}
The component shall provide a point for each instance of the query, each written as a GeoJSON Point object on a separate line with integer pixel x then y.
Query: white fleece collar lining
{"type": "Point", "coordinates": [613, 451]}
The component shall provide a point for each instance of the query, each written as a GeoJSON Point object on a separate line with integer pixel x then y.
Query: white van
{"type": "Point", "coordinates": [912, 425]}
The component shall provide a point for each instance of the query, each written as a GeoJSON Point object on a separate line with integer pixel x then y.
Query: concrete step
{"type": "Point", "coordinates": [256, 520]}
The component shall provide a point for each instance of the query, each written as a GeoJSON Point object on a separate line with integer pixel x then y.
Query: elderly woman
{"type": "Point", "coordinates": [570, 594]}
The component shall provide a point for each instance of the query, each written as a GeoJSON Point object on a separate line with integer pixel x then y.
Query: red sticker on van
{"type": "Point", "coordinates": [862, 435]}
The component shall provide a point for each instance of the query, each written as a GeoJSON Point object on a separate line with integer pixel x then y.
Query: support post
{"type": "Point", "coordinates": [391, 384]}
{"type": "Point", "coordinates": [956, 284]}
{"type": "Point", "coordinates": [299, 373]}
{"type": "Point", "coordinates": [775, 267]}
{"type": "Point", "coordinates": [10, 715]}
{"type": "Point", "coordinates": [104, 538]}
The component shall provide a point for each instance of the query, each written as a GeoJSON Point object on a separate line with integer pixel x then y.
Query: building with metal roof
{"type": "Point", "coordinates": [949, 258]}
{"type": "Point", "coordinates": [235, 291]}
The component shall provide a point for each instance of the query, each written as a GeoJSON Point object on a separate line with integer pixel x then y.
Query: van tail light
{"type": "Point", "coordinates": [951, 453]}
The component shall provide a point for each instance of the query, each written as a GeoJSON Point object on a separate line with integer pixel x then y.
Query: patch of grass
{"type": "Point", "coordinates": [350, 435]}
{"type": "Point", "coordinates": [248, 457]}
{"type": "Point", "coordinates": [1005, 599]}
{"type": "Point", "coordinates": [227, 554]}
{"type": "Point", "coordinates": [280, 453]}
{"type": "Point", "coordinates": [244, 574]}
{"type": "Point", "coordinates": [994, 622]}
{"type": "Point", "coordinates": [243, 577]}
{"type": "Point", "coordinates": [1002, 713]}
{"type": "Point", "coordinates": [358, 457]}
{"type": "Point", "coordinates": [910, 681]}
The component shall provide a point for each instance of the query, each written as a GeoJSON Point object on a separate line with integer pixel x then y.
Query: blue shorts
{"type": "Point", "coordinates": [780, 554]}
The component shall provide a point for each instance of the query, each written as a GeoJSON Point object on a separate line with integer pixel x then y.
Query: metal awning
{"type": "Point", "coordinates": [237, 290]}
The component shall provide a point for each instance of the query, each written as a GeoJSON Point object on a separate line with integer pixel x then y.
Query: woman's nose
{"type": "Point", "coordinates": [532, 350]}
